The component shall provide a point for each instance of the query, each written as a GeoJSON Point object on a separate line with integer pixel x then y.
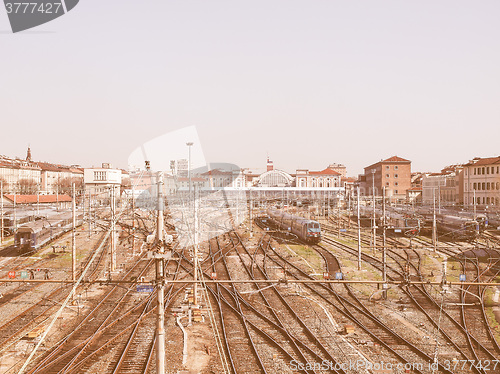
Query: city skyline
{"type": "Point", "coordinates": [305, 84]}
{"type": "Point", "coordinates": [199, 162]}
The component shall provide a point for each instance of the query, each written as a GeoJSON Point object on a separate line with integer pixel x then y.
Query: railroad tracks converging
{"type": "Point", "coordinates": [467, 342]}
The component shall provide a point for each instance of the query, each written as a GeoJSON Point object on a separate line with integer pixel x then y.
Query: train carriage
{"type": "Point", "coordinates": [34, 235]}
{"type": "Point", "coordinates": [305, 229]}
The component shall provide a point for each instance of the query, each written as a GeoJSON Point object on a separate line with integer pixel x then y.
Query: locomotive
{"type": "Point", "coordinates": [305, 229]}
{"type": "Point", "coordinates": [34, 235]}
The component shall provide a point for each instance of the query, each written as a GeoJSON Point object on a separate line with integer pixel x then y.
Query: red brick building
{"type": "Point", "coordinates": [393, 173]}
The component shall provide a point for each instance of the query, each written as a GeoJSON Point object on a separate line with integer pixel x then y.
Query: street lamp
{"type": "Point", "coordinates": [189, 144]}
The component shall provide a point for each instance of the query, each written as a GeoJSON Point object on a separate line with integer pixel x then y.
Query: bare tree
{"type": "Point", "coordinates": [65, 185]}
{"type": "Point", "coordinates": [27, 186]}
{"type": "Point", "coordinates": [125, 185]}
{"type": "Point", "coordinates": [5, 184]}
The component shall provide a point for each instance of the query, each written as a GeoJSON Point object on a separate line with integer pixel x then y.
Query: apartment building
{"type": "Point", "coordinates": [481, 182]}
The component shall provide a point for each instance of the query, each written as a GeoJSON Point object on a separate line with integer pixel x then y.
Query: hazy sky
{"type": "Point", "coordinates": [307, 82]}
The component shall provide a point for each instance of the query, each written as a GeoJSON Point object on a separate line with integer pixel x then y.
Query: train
{"type": "Point", "coordinates": [397, 224]}
{"type": "Point", "coordinates": [458, 226]}
{"type": "Point", "coordinates": [451, 225]}
{"type": "Point", "coordinates": [33, 235]}
{"type": "Point", "coordinates": [305, 229]}
{"type": "Point", "coordinates": [12, 219]}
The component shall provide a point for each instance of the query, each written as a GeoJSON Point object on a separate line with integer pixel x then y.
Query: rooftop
{"type": "Point", "coordinates": [32, 199]}
{"type": "Point", "coordinates": [484, 161]}
{"type": "Point", "coordinates": [326, 171]}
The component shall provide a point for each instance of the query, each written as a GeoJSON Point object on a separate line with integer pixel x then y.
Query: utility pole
{"type": "Point", "coordinates": [1, 210]}
{"type": "Point", "coordinates": [38, 199]}
{"type": "Point", "coordinates": [113, 229]}
{"type": "Point", "coordinates": [133, 220]}
{"type": "Point", "coordinates": [374, 222]}
{"type": "Point", "coordinates": [439, 198]}
{"type": "Point", "coordinates": [434, 228]}
{"type": "Point", "coordinates": [474, 203]}
{"type": "Point", "coordinates": [349, 209]}
{"type": "Point", "coordinates": [338, 216]}
{"type": "Point", "coordinates": [189, 144]}
{"type": "Point", "coordinates": [73, 237]}
{"type": "Point", "coordinates": [82, 191]}
{"type": "Point", "coordinates": [196, 239]}
{"type": "Point", "coordinates": [359, 237]}
{"type": "Point", "coordinates": [384, 257]}
{"type": "Point", "coordinates": [160, 280]}
{"type": "Point", "coordinates": [15, 215]}
{"type": "Point", "coordinates": [90, 212]}
{"type": "Point", "coordinates": [251, 214]}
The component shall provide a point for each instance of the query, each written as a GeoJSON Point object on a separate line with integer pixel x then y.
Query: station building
{"type": "Point", "coordinates": [274, 177]}
{"type": "Point", "coordinates": [324, 178]}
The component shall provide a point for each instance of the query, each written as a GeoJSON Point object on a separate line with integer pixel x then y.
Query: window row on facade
{"type": "Point", "coordinates": [486, 186]}
{"type": "Point", "coordinates": [487, 170]}
{"type": "Point", "coordinates": [319, 183]}
{"type": "Point", "coordinates": [487, 200]}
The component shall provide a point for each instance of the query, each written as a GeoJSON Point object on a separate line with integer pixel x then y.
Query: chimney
{"type": "Point", "coordinates": [270, 165]}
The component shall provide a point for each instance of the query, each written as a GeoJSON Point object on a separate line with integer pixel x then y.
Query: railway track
{"type": "Point", "coordinates": [398, 348]}
{"type": "Point", "coordinates": [433, 311]}
{"type": "Point", "coordinates": [37, 313]}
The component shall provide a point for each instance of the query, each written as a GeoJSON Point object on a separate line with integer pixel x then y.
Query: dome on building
{"type": "Point", "coordinates": [275, 178]}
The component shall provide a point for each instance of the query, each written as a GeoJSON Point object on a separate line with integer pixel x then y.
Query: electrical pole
{"type": "Point", "coordinates": [349, 209]}
{"type": "Point", "coordinates": [338, 216]}
{"type": "Point", "coordinates": [195, 260]}
{"type": "Point", "coordinates": [359, 237]}
{"type": "Point", "coordinates": [15, 216]}
{"type": "Point", "coordinates": [189, 144]}
{"type": "Point", "coordinates": [160, 280]}
{"type": "Point", "coordinates": [90, 212]}
{"type": "Point", "coordinates": [384, 257]}
{"type": "Point", "coordinates": [113, 238]}
{"type": "Point", "coordinates": [133, 220]}
{"type": "Point", "coordinates": [83, 206]}
{"type": "Point", "coordinates": [434, 228]}
{"type": "Point", "coordinates": [1, 209]}
{"type": "Point", "coordinates": [251, 214]}
{"type": "Point", "coordinates": [73, 243]}
{"type": "Point", "coordinates": [374, 221]}
{"type": "Point", "coordinates": [474, 203]}
{"type": "Point", "coordinates": [439, 198]}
